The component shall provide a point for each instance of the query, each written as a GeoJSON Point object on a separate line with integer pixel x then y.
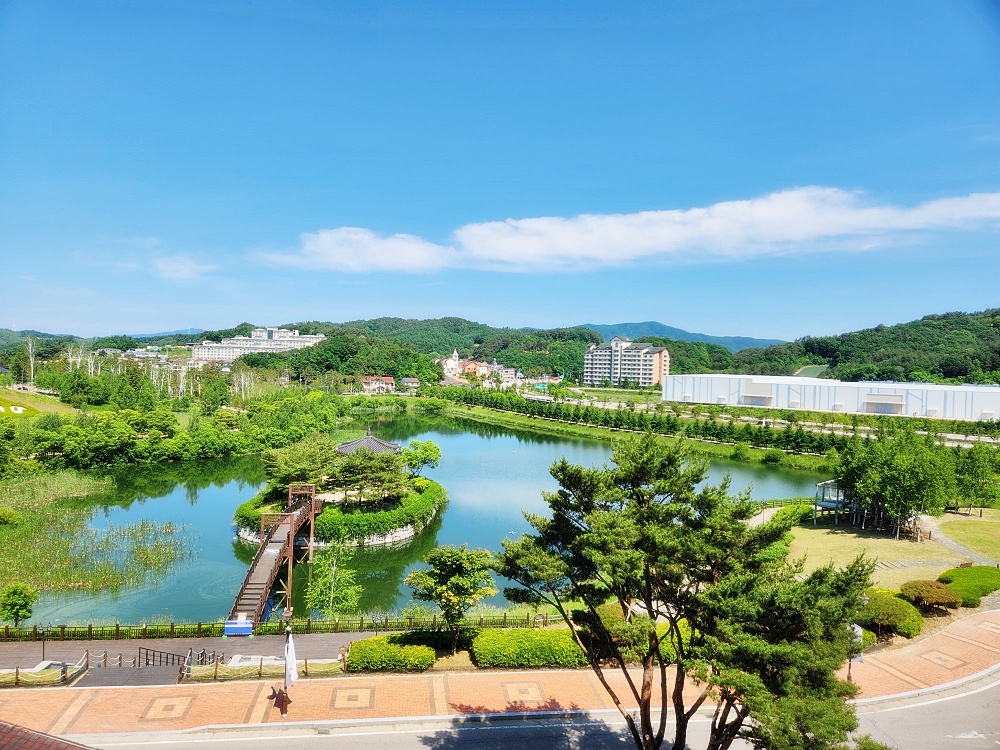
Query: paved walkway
{"type": "Point", "coordinates": [965, 648]}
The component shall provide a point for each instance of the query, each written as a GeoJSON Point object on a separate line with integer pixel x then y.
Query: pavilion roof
{"type": "Point", "coordinates": [368, 442]}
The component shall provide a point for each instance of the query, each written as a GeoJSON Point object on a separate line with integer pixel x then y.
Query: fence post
{"type": "Point", "coordinates": [199, 630]}
{"type": "Point", "coordinates": [17, 676]}
{"type": "Point", "coordinates": [434, 621]}
{"type": "Point", "coordinates": [62, 632]}
{"type": "Point", "coordinates": [171, 629]}
{"type": "Point", "coordinates": [361, 624]}
{"type": "Point", "coordinates": [144, 631]}
{"type": "Point", "coordinates": [215, 675]}
{"type": "Point", "coordinates": [305, 663]}
{"type": "Point", "coordinates": [409, 622]}
{"type": "Point", "coordinates": [6, 633]}
{"type": "Point", "coordinates": [336, 624]}
{"type": "Point", "coordinates": [90, 631]}
{"type": "Point", "coordinates": [504, 620]}
{"type": "Point", "coordinates": [86, 662]}
{"type": "Point", "coordinates": [309, 624]}
{"type": "Point", "coordinates": [260, 667]}
{"type": "Point", "coordinates": [481, 620]}
{"type": "Point", "coordinates": [546, 619]}
{"type": "Point", "coordinates": [34, 632]}
{"type": "Point", "coordinates": [117, 631]}
{"type": "Point", "coordinates": [527, 619]}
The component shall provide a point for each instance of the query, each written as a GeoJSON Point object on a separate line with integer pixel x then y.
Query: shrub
{"type": "Point", "coordinates": [930, 595]}
{"type": "Point", "coordinates": [415, 509]}
{"type": "Point", "coordinates": [439, 640]}
{"type": "Point", "coordinates": [8, 517]}
{"type": "Point", "coordinates": [527, 648]}
{"type": "Point", "coordinates": [972, 583]}
{"type": "Point", "coordinates": [798, 513]}
{"type": "Point", "coordinates": [773, 457]}
{"type": "Point", "coordinates": [247, 514]}
{"type": "Point", "coordinates": [385, 653]}
{"type": "Point", "coordinates": [868, 639]}
{"type": "Point", "coordinates": [741, 452]}
{"type": "Point", "coordinates": [886, 613]}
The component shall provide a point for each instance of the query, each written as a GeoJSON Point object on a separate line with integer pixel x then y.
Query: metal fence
{"type": "Point", "coordinates": [372, 624]}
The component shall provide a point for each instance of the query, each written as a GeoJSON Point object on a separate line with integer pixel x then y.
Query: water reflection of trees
{"type": "Point", "coordinates": [142, 482]}
{"type": "Point", "coordinates": [400, 429]}
{"type": "Point", "coordinates": [381, 570]}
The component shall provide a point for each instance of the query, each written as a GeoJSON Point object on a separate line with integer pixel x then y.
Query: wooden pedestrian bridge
{"type": "Point", "coordinates": [278, 532]}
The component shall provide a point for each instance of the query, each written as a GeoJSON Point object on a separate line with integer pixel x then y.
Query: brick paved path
{"type": "Point", "coordinates": [964, 648]}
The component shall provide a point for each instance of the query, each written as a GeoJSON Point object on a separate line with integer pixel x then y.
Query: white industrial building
{"type": "Point", "coordinates": [260, 341]}
{"type": "Point", "coordinates": [966, 402]}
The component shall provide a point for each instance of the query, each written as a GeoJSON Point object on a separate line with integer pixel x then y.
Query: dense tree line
{"type": "Point", "coordinates": [128, 436]}
{"type": "Point", "coordinates": [790, 438]}
{"type": "Point", "coordinates": [352, 353]}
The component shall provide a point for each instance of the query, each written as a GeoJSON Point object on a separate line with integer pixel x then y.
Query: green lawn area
{"type": "Point", "coordinates": [812, 371]}
{"type": "Point", "coordinates": [33, 402]}
{"type": "Point", "coordinates": [981, 535]}
{"type": "Point", "coordinates": [621, 395]}
{"type": "Point", "coordinates": [841, 544]}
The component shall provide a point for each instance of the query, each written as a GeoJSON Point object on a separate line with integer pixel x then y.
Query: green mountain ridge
{"type": "Point", "coordinates": [651, 328]}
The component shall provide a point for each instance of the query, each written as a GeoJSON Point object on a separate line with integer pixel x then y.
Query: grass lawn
{"type": "Point", "coordinates": [841, 544]}
{"type": "Point", "coordinates": [981, 535]}
{"type": "Point", "coordinates": [34, 403]}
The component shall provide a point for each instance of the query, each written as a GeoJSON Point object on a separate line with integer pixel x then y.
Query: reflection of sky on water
{"type": "Point", "coordinates": [491, 476]}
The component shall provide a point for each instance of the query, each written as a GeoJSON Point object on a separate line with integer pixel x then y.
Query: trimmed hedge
{"type": "Point", "coordinates": [972, 583]}
{"type": "Point", "coordinates": [415, 509]}
{"type": "Point", "coordinates": [439, 640]}
{"type": "Point", "coordinates": [526, 648]}
{"type": "Point", "coordinates": [385, 653]}
{"type": "Point", "coordinates": [799, 513]}
{"type": "Point", "coordinates": [930, 595]}
{"type": "Point", "coordinates": [886, 612]}
{"type": "Point", "coordinates": [868, 639]}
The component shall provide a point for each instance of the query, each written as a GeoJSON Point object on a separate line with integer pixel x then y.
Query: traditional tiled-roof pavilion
{"type": "Point", "coordinates": [368, 442]}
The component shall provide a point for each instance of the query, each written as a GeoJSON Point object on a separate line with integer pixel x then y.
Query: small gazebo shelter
{"type": "Point", "coordinates": [370, 443]}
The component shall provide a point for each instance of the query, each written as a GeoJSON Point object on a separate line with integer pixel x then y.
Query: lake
{"type": "Point", "coordinates": [492, 474]}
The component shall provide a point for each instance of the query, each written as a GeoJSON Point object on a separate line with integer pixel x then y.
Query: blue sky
{"type": "Point", "coordinates": [773, 169]}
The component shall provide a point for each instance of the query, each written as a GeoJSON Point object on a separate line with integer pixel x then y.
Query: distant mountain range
{"type": "Point", "coordinates": [639, 331]}
{"type": "Point", "coordinates": [181, 332]}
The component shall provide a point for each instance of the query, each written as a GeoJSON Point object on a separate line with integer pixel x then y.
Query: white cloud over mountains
{"type": "Point", "coordinates": [789, 222]}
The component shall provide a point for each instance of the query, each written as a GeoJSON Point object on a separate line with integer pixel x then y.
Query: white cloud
{"type": "Point", "coordinates": [356, 249]}
{"type": "Point", "coordinates": [181, 267]}
{"type": "Point", "coordinates": [796, 221]}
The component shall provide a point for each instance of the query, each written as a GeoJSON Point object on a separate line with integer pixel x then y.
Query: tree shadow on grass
{"type": "Point", "coordinates": [506, 729]}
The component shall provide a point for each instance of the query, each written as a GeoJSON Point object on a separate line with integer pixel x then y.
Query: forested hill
{"type": "Point", "coordinates": [653, 330]}
{"type": "Point", "coordinates": [557, 351]}
{"type": "Point", "coordinates": [953, 347]}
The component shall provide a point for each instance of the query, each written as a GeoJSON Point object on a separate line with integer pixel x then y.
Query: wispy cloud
{"type": "Point", "coordinates": [796, 221]}
{"type": "Point", "coordinates": [181, 267]}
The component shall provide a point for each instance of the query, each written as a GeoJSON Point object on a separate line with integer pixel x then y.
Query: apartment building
{"type": "Point", "coordinates": [622, 360]}
{"type": "Point", "coordinates": [261, 341]}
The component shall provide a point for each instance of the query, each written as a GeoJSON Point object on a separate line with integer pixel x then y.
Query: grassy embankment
{"type": "Point", "coordinates": [33, 403]}
{"type": "Point", "coordinates": [827, 543]}
{"type": "Point", "coordinates": [818, 464]}
{"type": "Point", "coordinates": [981, 535]}
{"type": "Point", "coordinates": [46, 542]}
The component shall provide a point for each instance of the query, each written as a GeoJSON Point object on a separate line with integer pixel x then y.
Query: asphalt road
{"type": "Point", "coordinates": [965, 717]}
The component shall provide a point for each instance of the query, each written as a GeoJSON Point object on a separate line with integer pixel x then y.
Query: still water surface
{"type": "Point", "coordinates": [491, 474]}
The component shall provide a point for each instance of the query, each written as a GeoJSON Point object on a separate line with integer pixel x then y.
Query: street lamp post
{"type": "Point", "coordinates": [42, 631]}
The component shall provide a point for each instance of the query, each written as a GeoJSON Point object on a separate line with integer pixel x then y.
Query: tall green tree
{"type": "Point", "coordinates": [457, 579]}
{"type": "Point", "coordinates": [333, 588]}
{"type": "Point", "coordinates": [976, 472]}
{"type": "Point", "coordinates": [899, 473]}
{"type": "Point", "coordinates": [710, 600]}
{"type": "Point", "coordinates": [419, 455]}
{"type": "Point", "coordinates": [17, 600]}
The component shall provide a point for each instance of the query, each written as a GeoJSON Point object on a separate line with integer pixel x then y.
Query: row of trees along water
{"type": "Point", "coordinates": [99, 438]}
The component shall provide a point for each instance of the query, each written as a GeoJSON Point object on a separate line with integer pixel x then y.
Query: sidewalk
{"type": "Point", "coordinates": [963, 649]}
